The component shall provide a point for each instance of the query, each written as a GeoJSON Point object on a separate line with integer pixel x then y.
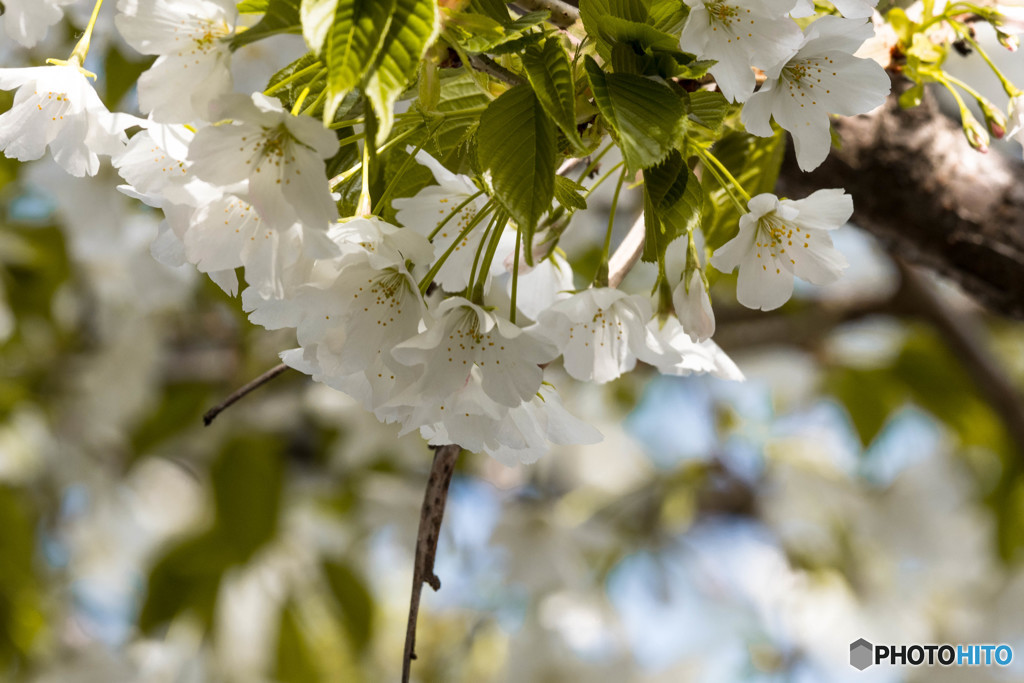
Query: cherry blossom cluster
{"type": "Point", "coordinates": [438, 322]}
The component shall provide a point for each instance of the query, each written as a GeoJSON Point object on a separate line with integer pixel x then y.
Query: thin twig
{"type": "Point", "coordinates": [627, 253]}
{"type": "Point", "coordinates": [431, 515]}
{"type": "Point", "coordinates": [252, 386]}
{"type": "Point", "coordinates": [563, 15]}
{"type": "Point", "coordinates": [485, 64]}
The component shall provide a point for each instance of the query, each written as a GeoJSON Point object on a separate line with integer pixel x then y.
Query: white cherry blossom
{"type": "Point", "coordinates": [27, 21]}
{"type": "Point", "coordinates": [680, 355]}
{"type": "Point", "coordinates": [464, 336]}
{"type": "Point", "coordinates": [155, 166]}
{"type": "Point", "coordinates": [57, 107]}
{"type": "Point", "coordinates": [822, 78]}
{"type": "Point", "coordinates": [193, 67]}
{"type": "Point", "coordinates": [424, 211]}
{"type": "Point", "coordinates": [852, 9]}
{"type": "Point", "coordinates": [519, 435]}
{"type": "Point", "coordinates": [740, 34]}
{"type": "Point", "coordinates": [384, 245]}
{"type": "Point", "coordinates": [282, 157]}
{"type": "Point", "coordinates": [782, 238]}
{"type": "Point", "coordinates": [693, 306]}
{"type": "Point", "coordinates": [600, 332]}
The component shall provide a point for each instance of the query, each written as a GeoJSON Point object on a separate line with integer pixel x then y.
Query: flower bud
{"type": "Point", "coordinates": [975, 132]}
{"type": "Point", "coordinates": [693, 306]}
{"type": "Point", "coordinates": [1008, 40]}
{"type": "Point", "coordinates": [994, 119]}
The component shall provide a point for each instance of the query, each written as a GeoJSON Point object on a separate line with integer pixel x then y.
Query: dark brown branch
{"type": "Point", "coordinates": [916, 297]}
{"type": "Point", "coordinates": [562, 15]}
{"type": "Point", "coordinates": [962, 334]}
{"type": "Point", "coordinates": [431, 516]}
{"type": "Point", "coordinates": [921, 189]}
{"type": "Point", "coordinates": [252, 386]}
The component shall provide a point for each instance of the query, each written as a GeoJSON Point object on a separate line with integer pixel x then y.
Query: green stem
{"type": "Point", "coordinates": [963, 86]}
{"type": "Point", "coordinates": [594, 161]}
{"type": "Point", "coordinates": [429, 277]}
{"type": "Point", "coordinates": [284, 82]}
{"type": "Point", "coordinates": [586, 195]}
{"type": "Point", "coordinates": [500, 221]}
{"type": "Point", "coordinates": [602, 268]}
{"type": "Point", "coordinates": [515, 278]}
{"type": "Point", "coordinates": [1008, 86]}
{"type": "Point", "coordinates": [81, 50]}
{"type": "Point", "coordinates": [342, 177]}
{"type": "Point", "coordinates": [484, 242]}
{"type": "Point", "coordinates": [386, 196]}
{"type": "Point", "coordinates": [451, 214]}
{"type": "Point", "coordinates": [364, 205]}
{"type": "Point", "coordinates": [721, 171]}
{"type": "Point", "coordinates": [297, 107]}
{"type": "Point", "coordinates": [444, 116]}
{"type": "Point", "coordinates": [316, 102]}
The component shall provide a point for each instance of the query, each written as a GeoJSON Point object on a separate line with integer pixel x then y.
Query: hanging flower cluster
{"type": "Point", "coordinates": [440, 298]}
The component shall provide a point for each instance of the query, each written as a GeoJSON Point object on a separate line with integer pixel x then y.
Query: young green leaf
{"type": "Point", "coordinates": [568, 193]}
{"type": "Point", "coordinates": [673, 203]}
{"type": "Point", "coordinates": [414, 27]}
{"type": "Point", "coordinates": [353, 41]}
{"type": "Point", "coordinates": [550, 74]}
{"type": "Point", "coordinates": [282, 16]}
{"type": "Point", "coordinates": [516, 142]}
{"type": "Point", "coordinates": [253, 6]}
{"type": "Point", "coordinates": [708, 108]}
{"type": "Point", "coordinates": [644, 113]}
{"type": "Point", "coordinates": [317, 17]}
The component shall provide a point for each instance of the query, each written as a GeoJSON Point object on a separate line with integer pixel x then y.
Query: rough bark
{"type": "Point", "coordinates": [921, 189]}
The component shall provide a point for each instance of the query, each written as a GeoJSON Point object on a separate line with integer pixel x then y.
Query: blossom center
{"type": "Point", "coordinates": [205, 35]}
{"type": "Point", "coordinates": [801, 77]}
{"type": "Point", "coordinates": [775, 236]}
{"type": "Point", "coordinates": [56, 104]}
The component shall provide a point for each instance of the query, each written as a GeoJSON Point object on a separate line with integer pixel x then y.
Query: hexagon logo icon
{"type": "Point", "coordinates": [861, 652]}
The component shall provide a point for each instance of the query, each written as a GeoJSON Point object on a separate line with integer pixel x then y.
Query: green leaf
{"type": "Point", "coordinates": [641, 36]}
{"type": "Point", "coordinates": [414, 27]}
{"type": "Point", "coordinates": [457, 93]}
{"type": "Point", "coordinates": [305, 72]}
{"type": "Point", "coordinates": [317, 18]}
{"type": "Point", "coordinates": [668, 15]}
{"type": "Point", "coordinates": [247, 481]}
{"type": "Point", "coordinates": [296, 655]}
{"type": "Point", "coordinates": [569, 193]}
{"type": "Point", "coordinates": [479, 33]}
{"type": "Point", "coordinates": [495, 9]}
{"type": "Point", "coordinates": [516, 142]}
{"type": "Point", "coordinates": [644, 113]}
{"type": "Point", "coordinates": [708, 108]}
{"type": "Point", "coordinates": [353, 41]}
{"type": "Point", "coordinates": [673, 203]}
{"type": "Point", "coordinates": [550, 74]}
{"type": "Point", "coordinates": [356, 603]}
{"type": "Point", "coordinates": [593, 11]}
{"type": "Point", "coordinates": [253, 6]}
{"type": "Point", "coordinates": [22, 620]}
{"type": "Point", "coordinates": [282, 16]}
{"type": "Point", "coordinates": [186, 578]}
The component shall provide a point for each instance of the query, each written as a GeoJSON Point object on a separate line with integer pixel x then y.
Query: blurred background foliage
{"type": "Point", "coordinates": [861, 483]}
